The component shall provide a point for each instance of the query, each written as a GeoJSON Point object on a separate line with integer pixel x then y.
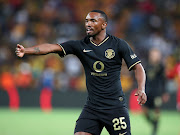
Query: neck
{"type": "Point", "coordinates": [99, 37]}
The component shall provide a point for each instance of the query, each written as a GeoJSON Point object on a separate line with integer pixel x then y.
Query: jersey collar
{"type": "Point", "coordinates": [107, 37]}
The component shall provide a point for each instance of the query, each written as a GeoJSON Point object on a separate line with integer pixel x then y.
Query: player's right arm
{"type": "Point", "coordinates": [41, 49]}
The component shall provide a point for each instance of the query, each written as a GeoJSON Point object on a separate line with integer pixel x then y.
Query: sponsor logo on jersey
{"type": "Point", "coordinates": [87, 50]}
{"type": "Point", "coordinates": [109, 53]}
{"type": "Point", "coordinates": [98, 74]}
{"type": "Point", "coordinates": [133, 56]}
{"type": "Point", "coordinates": [98, 66]}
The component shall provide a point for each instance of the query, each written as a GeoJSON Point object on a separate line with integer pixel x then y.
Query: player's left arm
{"type": "Point", "coordinates": [141, 79]}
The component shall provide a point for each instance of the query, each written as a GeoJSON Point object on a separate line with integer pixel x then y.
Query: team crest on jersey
{"type": "Point", "coordinates": [109, 53]}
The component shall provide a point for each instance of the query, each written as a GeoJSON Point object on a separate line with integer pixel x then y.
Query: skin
{"type": "Point", "coordinates": [96, 25]}
{"type": "Point", "coordinates": [95, 28]}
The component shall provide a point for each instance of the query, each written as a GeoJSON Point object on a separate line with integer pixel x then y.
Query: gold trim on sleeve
{"type": "Point", "coordinates": [63, 50]}
{"type": "Point", "coordinates": [134, 65]}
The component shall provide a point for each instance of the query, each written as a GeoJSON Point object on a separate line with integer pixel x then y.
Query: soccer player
{"type": "Point", "coordinates": [101, 55]}
{"type": "Point", "coordinates": [156, 92]}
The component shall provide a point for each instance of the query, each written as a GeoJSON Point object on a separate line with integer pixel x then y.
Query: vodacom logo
{"type": "Point", "coordinates": [98, 66]}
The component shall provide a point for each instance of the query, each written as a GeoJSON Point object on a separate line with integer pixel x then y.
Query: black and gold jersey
{"type": "Point", "coordinates": [102, 64]}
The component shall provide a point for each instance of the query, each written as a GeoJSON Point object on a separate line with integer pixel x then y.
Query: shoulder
{"type": "Point", "coordinates": [77, 42]}
{"type": "Point", "coordinates": [71, 43]}
{"type": "Point", "coordinates": [117, 40]}
{"type": "Point", "coordinates": [113, 37]}
{"type": "Point", "coordinates": [74, 41]}
{"type": "Point", "coordinates": [85, 40]}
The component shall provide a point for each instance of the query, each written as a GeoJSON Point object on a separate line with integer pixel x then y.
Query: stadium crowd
{"type": "Point", "coordinates": [145, 24]}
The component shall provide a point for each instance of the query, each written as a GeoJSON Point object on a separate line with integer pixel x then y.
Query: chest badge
{"type": "Point", "coordinates": [109, 53]}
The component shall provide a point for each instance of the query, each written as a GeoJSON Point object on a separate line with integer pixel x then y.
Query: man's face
{"type": "Point", "coordinates": [94, 24]}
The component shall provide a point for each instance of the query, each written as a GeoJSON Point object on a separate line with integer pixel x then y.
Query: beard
{"type": "Point", "coordinates": [89, 35]}
{"type": "Point", "coordinates": [92, 35]}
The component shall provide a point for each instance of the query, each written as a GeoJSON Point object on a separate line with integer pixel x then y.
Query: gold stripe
{"type": "Point", "coordinates": [134, 64]}
{"type": "Point", "coordinates": [100, 43]}
{"type": "Point", "coordinates": [63, 50]}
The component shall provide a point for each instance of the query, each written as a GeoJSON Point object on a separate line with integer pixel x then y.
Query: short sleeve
{"type": "Point", "coordinates": [69, 47]}
{"type": "Point", "coordinates": [128, 55]}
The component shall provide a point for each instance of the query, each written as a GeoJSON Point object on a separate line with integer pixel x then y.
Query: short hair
{"type": "Point", "coordinates": [103, 14]}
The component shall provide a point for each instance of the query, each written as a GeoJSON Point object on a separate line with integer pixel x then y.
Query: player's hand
{"type": "Point", "coordinates": [142, 98]}
{"type": "Point", "coordinates": [20, 50]}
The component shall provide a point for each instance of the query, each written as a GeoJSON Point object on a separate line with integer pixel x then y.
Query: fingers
{"type": "Point", "coordinates": [19, 46]}
{"type": "Point", "coordinates": [19, 50]}
{"type": "Point", "coordinates": [142, 98]}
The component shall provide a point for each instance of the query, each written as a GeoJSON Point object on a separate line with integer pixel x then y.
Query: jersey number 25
{"type": "Point", "coordinates": [119, 124]}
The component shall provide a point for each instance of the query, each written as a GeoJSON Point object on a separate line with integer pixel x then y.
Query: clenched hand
{"type": "Point", "coordinates": [20, 50]}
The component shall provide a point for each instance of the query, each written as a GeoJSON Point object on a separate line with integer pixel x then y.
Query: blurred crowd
{"type": "Point", "coordinates": [144, 24]}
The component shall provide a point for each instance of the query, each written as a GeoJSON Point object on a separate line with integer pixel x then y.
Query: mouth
{"type": "Point", "coordinates": [89, 30]}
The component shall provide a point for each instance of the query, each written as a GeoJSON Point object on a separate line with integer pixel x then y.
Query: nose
{"type": "Point", "coordinates": [88, 24]}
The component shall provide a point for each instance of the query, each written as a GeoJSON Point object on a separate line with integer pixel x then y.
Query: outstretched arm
{"type": "Point", "coordinates": [37, 49]}
{"type": "Point", "coordinates": [141, 79]}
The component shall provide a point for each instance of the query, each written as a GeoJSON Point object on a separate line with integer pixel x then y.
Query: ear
{"type": "Point", "coordinates": [104, 25]}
